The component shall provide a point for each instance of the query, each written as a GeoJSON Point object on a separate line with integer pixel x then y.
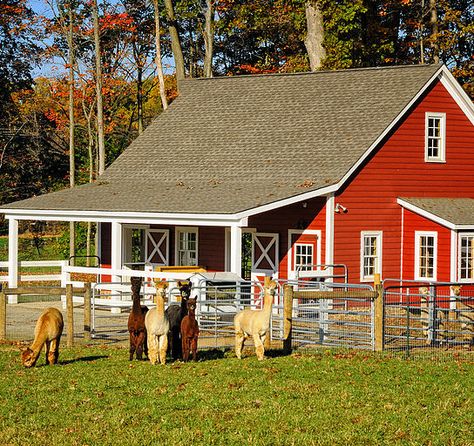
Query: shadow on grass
{"type": "Point", "coordinates": [277, 353]}
{"type": "Point", "coordinates": [83, 359]}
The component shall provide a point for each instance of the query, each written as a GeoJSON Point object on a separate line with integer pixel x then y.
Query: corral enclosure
{"type": "Point", "coordinates": [321, 314]}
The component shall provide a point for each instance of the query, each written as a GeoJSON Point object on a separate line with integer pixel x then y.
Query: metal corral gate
{"type": "Point", "coordinates": [329, 314]}
{"type": "Point", "coordinates": [428, 315]}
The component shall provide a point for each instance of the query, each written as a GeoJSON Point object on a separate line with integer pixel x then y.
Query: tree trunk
{"type": "Point", "coordinates": [72, 169]}
{"type": "Point", "coordinates": [98, 74]}
{"type": "Point", "coordinates": [175, 41]}
{"type": "Point", "coordinates": [140, 98]}
{"type": "Point", "coordinates": [434, 30]}
{"type": "Point", "coordinates": [314, 35]}
{"type": "Point", "coordinates": [208, 39]}
{"type": "Point", "coordinates": [422, 30]}
{"type": "Point", "coordinates": [159, 65]}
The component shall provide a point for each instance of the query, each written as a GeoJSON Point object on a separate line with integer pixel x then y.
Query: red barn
{"type": "Point", "coordinates": [342, 173]}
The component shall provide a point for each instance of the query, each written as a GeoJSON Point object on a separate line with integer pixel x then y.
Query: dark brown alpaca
{"type": "Point", "coordinates": [190, 331]}
{"type": "Point", "coordinates": [136, 322]}
{"type": "Point", "coordinates": [175, 314]}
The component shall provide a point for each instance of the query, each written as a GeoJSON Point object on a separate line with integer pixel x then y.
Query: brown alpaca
{"type": "Point", "coordinates": [255, 323]}
{"type": "Point", "coordinates": [48, 331]}
{"type": "Point", "coordinates": [136, 322]}
{"type": "Point", "coordinates": [190, 331]}
{"type": "Point", "coordinates": [157, 326]}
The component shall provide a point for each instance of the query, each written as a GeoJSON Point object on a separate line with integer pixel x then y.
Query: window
{"type": "Point", "coordinates": [466, 257]}
{"type": "Point", "coordinates": [187, 246]}
{"type": "Point", "coordinates": [435, 137]}
{"type": "Point", "coordinates": [371, 255]}
{"type": "Point", "coordinates": [425, 255]}
{"type": "Point", "coordinates": [303, 256]}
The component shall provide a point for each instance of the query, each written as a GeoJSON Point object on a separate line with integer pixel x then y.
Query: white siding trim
{"type": "Point", "coordinates": [378, 263]}
{"type": "Point", "coordinates": [442, 149]}
{"type": "Point", "coordinates": [329, 245]}
{"type": "Point", "coordinates": [453, 261]}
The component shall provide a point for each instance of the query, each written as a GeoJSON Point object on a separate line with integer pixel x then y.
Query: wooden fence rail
{"type": "Point", "coordinates": [69, 291]}
{"type": "Point", "coordinates": [289, 294]}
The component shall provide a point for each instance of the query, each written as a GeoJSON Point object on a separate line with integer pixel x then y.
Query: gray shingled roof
{"type": "Point", "coordinates": [231, 144]}
{"type": "Point", "coordinates": [458, 211]}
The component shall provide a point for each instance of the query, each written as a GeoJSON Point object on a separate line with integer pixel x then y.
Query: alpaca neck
{"type": "Point", "coordinates": [184, 308]}
{"type": "Point", "coordinates": [160, 304]}
{"type": "Point", "coordinates": [136, 302]}
{"type": "Point", "coordinates": [267, 303]}
{"type": "Point", "coordinates": [37, 345]}
{"type": "Point", "coordinates": [191, 314]}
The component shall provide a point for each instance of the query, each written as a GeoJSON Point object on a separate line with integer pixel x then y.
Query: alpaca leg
{"type": "Point", "coordinates": [152, 349]}
{"type": "Point", "coordinates": [145, 345]}
{"type": "Point", "coordinates": [47, 346]}
{"type": "Point", "coordinates": [259, 348]}
{"type": "Point", "coordinates": [184, 348]}
{"type": "Point", "coordinates": [194, 346]}
{"type": "Point", "coordinates": [239, 344]}
{"type": "Point", "coordinates": [139, 345]}
{"type": "Point", "coordinates": [176, 349]}
{"type": "Point", "coordinates": [132, 345]}
{"type": "Point", "coordinates": [163, 348]}
{"type": "Point", "coordinates": [53, 352]}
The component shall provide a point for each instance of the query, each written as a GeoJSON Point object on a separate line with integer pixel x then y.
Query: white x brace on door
{"type": "Point", "coordinates": [157, 246]}
{"type": "Point", "coordinates": [265, 260]}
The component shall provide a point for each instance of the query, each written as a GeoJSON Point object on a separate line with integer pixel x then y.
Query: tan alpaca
{"type": "Point", "coordinates": [255, 323]}
{"type": "Point", "coordinates": [464, 314]}
{"type": "Point", "coordinates": [48, 331]}
{"type": "Point", "coordinates": [157, 326]}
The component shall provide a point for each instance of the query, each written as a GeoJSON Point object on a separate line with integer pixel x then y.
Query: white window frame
{"type": "Point", "coordinates": [378, 258]}
{"type": "Point", "coordinates": [295, 247]}
{"type": "Point", "coordinates": [291, 232]}
{"type": "Point", "coordinates": [466, 279]}
{"type": "Point", "coordinates": [441, 158]}
{"type": "Point", "coordinates": [185, 229]}
{"type": "Point", "coordinates": [418, 235]}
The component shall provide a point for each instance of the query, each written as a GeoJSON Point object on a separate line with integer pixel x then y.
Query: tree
{"type": "Point", "coordinates": [314, 35]}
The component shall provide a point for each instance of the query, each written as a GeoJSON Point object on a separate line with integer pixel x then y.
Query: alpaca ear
{"type": "Point", "coordinates": [180, 284]}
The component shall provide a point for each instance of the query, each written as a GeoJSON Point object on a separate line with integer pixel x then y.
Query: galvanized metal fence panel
{"type": "Point", "coordinates": [429, 317]}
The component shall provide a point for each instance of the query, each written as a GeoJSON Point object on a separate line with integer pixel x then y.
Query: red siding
{"type": "Point", "coordinates": [414, 222]}
{"type": "Point", "coordinates": [398, 169]}
{"type": "Point", "coordinates": [211, 253]}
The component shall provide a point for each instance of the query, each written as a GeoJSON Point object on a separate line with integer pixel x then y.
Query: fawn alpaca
{"type": "Point", "coordinates": [255, 323]}
{"type": "Point", "coordinates": [175, 314]}
{"type": "Point", "coordinates": [190, 331]}
{"type": "Point", "coordinates": [157, 326]}
{"type": "Point", "coordinates": [136, 322]}
{"type": "Point", "coordinates": [48, 331]}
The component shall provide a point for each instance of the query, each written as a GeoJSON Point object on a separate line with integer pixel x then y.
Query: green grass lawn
{"type": "Point", "coordinates": [97, 397]}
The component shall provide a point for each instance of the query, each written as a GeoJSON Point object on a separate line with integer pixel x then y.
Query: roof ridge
{"type": "Point", "coordinates": [306, 73]}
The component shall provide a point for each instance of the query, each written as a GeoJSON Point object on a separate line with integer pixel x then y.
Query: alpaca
{"type": "Point", "coordinates": [441, 326]}
{"type": "Point", "coordinates": [157, 326]}
{"type": "Point", "coordinates": [175, 314]}
{"type": "Point", "coordinates": [136, 322]}
{"type": "Point", "coordinates": [255, 323]}
{"type": "Point", "coordinates": [48, 331]}
{"type": "Point", "coordinates": [190, 331]}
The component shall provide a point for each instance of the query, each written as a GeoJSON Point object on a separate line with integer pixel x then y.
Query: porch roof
{"type": "Point", "coordinates": [456, 213]}
{"type": "Point", "coordinates": [232, 144]}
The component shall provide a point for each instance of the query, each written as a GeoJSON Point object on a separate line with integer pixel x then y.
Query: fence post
{"type": "Point", "coordinates": [87, 311]}
{"type": "Point", "coordinates": [287, 317]}
{"type": "Point", "coordinates": [70, 315]}
{"type": "Point", "coordinates": [268, 338]}
{"type": "Point", "coordinates": [378, 322]}
{"type": "Point", "coordinates": [3, 314]}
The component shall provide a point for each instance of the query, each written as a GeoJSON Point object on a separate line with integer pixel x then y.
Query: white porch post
{"type": "Point", "coordinates": [116, 249]}
{"type": "Point", "coordinates": [453, 266]}
{"type": "Point", "coordinates": [329, 248]}
{"type": "Point", "coordinates": [236, 250]}
{"type": "Point", "coordinates": [13, 258]}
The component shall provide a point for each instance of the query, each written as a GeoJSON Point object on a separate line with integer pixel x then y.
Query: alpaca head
{"type": "Point", "coordinates": [424, 291]}
{"type": "Point", "coordinates": [185, 290]}
{"type": "Point", "coordinates": [161, 287]}
{"type": "Point", "coordinates": [456, 290]}
{"type": "Point", "coordinates": [136, 284]}
{"type": "Point", "coordinates": [271, 288]}
{"type": "Point", "coordinates": [191, 304]}
{"type": "Point", "coordinates": [28, 358]}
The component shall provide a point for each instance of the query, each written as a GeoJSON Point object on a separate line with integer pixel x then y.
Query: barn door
{"type": "Point", "coordinates": [265, 261]}
{"type": "Point", "coordinates": [157, 246]}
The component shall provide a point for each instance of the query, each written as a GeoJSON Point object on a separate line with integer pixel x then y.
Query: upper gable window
{"type": "Point", "coordinates": [435, 137]}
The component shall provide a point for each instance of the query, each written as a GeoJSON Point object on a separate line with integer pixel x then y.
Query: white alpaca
{"type": "Point", "coordinates": [157, 326]}
{"type": "Point", "coordinates": [255, 323]}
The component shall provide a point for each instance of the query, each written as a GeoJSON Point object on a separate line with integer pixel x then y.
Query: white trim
{"type": "Point", "coordinates": [433, 217]}
{"type": "Point", "coordinates": [13, 253]}
{"type": "Point", "coordinates": [289, 253]}
{"type": "Point", "coordinates": [236, 250]}
{"type": "Point", "coordinates": [402, 239]}
{"type": "Point", "coordinates": [442, 137]}
{"type": "Point", "coordinates": [329, 243]}
{"type": "Point", "coordinates": [418, 235]}
{"type": "Point", "coordinates": [265, 253]}
{"type": "Point", "coordinates": [165, 256]}
{"type": "Point", "coordinates": [116, 248]}
{"type": "Point", "coordinates": [453, 261]}
{"type": "Point", "coordinates": [378, 259]}
{"type": "Point", "coordinates": [189, 229]}
{"type": "Point", "coordinates": [457, 92]}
